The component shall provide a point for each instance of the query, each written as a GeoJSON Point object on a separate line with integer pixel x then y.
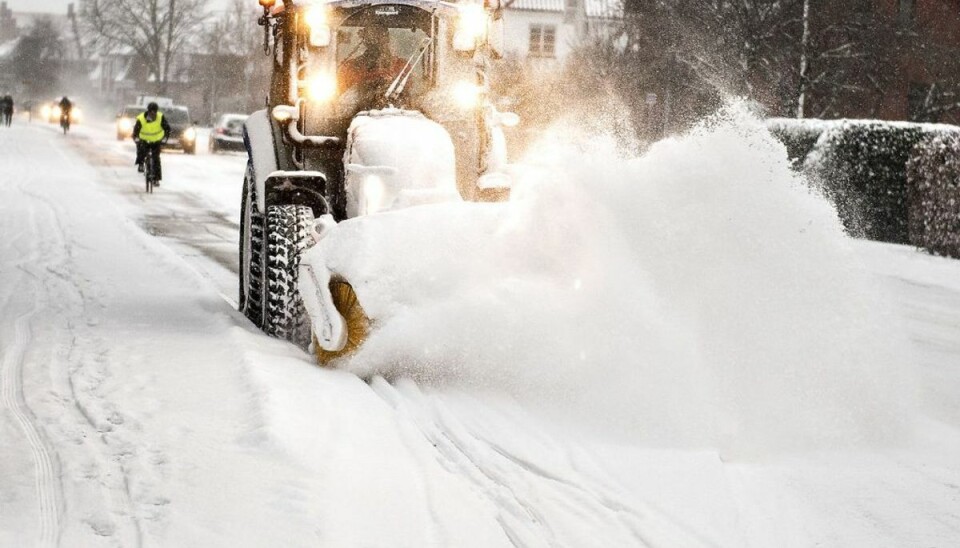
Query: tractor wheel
{"type": "Point", "coordinates": [358, 325]}
{"type": "Point", "coordinates": [250, 301]}
{"type": "Point", "coordinates": [284, 316]}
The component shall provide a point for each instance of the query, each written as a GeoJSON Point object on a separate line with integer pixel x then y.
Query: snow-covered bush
{"type": "Point", "coordinates": [933, 175]}
{"type": "Point", "coordinates": [861, 167]}
{"type": "Point", "coordinates": [798, 135]}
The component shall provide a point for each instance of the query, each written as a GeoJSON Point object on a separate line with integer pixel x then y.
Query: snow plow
{"type": "Point", "coordinates": [373, 106]}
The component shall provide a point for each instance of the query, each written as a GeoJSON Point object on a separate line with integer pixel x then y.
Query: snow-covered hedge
{"type": "Point", "coordinates": [861, 166]}
{"type": "Point", "coordinates": [799, 136]}
{"type": "Point", "coordinates": [933, 175]}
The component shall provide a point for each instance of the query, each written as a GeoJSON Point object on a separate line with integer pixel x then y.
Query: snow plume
{"type": "Point", "coordinates": [698, 295]}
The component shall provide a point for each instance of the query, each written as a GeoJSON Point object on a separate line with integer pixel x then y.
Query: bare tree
{"type": "Point", "coordinates": [795, 57]}
{"type": "Point", "coordinates": [155, 30]}
{"type": "Point", "coordinates": [231, 67]}
{"type": "Point", "coordinates": [933, 90]}
{"type": "Point", "coordinates": [846, 60]}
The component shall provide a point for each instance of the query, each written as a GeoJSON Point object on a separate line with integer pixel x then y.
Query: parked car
{"type": "Point", "coordinates": [227, 134]}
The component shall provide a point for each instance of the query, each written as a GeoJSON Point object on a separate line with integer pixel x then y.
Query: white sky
{"type": "Point", "coordinates": [60, 6]}
{"type": "Point", "coordinates": [52, 6]}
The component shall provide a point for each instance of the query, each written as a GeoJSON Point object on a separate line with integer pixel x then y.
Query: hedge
{"type": "Point", "coordinates": [933, 175]}
{"type": "Point", "coordinates": [799, 136]}
{"type": "Point", "coordinates": [861, 166]}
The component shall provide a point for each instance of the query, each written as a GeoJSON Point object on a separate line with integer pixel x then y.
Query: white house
{"type": "Point", "coordinates": [544, 32]}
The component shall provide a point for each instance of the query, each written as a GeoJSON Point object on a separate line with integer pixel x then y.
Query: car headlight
{"type": "Point", "coordinates": [125, 125]}
{"type": "Point", "coordinates": [55, 112]}
{"type": "Point", "coordinates": [190, 134]}
{"type": "Point", "coordinates": [322, 87]}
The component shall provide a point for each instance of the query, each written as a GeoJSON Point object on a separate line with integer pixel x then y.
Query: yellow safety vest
{"type": "Point", "coordinates": [151, 132]}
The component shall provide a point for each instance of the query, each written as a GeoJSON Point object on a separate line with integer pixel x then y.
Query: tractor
{"type": "Point", "coordinates": [373, 105]}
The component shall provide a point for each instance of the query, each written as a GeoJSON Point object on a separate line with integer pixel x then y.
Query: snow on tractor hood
{"type": "Point", "coordinates": [395, 159]}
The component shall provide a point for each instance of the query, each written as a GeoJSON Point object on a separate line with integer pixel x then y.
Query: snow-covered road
{"type": "Point", "coordinates": [140, 409]}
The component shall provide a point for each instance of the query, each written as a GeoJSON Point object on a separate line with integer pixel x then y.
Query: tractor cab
{"type": "Point", "coordinates": [335, 60]}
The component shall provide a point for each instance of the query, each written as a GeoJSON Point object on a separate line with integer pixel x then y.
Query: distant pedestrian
{"type": "Point", "coordinates": [6, 110]}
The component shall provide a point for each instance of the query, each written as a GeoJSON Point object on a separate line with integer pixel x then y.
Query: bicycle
{"type": "Point", "coordinates": [65, 122]}
{"type": "Point", "coordinates": [150, 168]}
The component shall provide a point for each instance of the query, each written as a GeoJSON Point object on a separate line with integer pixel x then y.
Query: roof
{"type": "Point", "coordinates": [536, 5]}
{"type": "Point", "coordinates": [605, 9]}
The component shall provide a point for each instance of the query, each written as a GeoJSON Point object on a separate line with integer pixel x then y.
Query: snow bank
{"type": "Point", "coordinates": [698, 295]}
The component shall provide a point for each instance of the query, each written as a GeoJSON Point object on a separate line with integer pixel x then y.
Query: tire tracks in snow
{"type": "Point", "coordinates": [47, 486]}
{"type": "Point", "coordinates": [97, 481]}
{"type": "Point", "coordinates": [531, 499]}
{"type": "Point", "coordinates": [47, 481]}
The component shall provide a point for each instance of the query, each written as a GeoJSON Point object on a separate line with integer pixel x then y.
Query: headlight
{"type": "Point", "coordinates": [374, 191]}
{"type": "Point", "coordinates": [190, 134]}
{"type": "Point", "coordinates": [55, 112]}
{"type": "Point", "coordinates": [466, 94]}
{"type": "Point", "coordinates": [75, 114]}
{"type": "Point", "coordinates": [322, 87]}
{"type": "Point", "coordinates": [471, 27]}
{"type": "Point", "coordinates": [125, 125]}
{"type": "Point", "coordinates": [45, 111]}
{"type": "Point", "coordinates": [316, 20]}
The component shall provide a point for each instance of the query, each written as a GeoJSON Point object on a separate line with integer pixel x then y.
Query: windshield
{"type": "Point", "coordinates": [176, 115]}
{"type": "Point", "coordinates": [374, 46]}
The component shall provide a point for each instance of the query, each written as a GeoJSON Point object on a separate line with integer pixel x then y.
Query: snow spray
{"type": "Point", "coordinates": [698, 295]}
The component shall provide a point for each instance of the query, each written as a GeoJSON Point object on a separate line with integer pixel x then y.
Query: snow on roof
{"type": "Point", "coordinates": [606, 9]}
{"type": "Point", "coordinates": [536, 5]}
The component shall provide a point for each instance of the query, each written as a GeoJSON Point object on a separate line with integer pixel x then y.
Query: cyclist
{"type": "Point", "coordinates": [149, 132]}
{"type": "Point", "coordinates": [66, 107]}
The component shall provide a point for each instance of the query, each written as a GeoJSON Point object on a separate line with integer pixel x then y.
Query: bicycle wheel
{"type": "Point", "coordinates": [148, 170]}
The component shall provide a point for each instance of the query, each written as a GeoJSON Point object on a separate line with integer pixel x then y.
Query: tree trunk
{"type": "Point", "coordinates": [804, 61]}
